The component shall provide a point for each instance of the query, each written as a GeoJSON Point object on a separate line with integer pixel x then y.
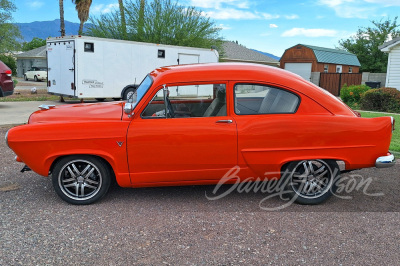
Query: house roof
{"type": "Point", "coordinates": [333, 56]}
{"type": "Point", "coordinates": [35, 53]}
{"type": "Point", "coordinates": [387, 46]}
{"type": "Point", "coordinates": [237, 52]}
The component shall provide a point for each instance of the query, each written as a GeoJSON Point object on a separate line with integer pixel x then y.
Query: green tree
{"type": "Point", "coordinates": [9, 33]}
{"type": "Point", "coordinates": [365, 44]}
{"type": "Point", "coordinates": [83, 7]}
{"type": "Point", "coordinates": [10, 61]}
{"type": "Point", "coordinates": [35, 43]}
{"type": "Point", "coordinates": [158, 21]}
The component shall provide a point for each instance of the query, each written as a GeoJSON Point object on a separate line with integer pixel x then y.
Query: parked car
{"type": "Point", "coordinates": [193, 124]}
{"type": "Point", "coordinates": [36, 73]}
{"type": "Point", "coordinates": [6, 82]}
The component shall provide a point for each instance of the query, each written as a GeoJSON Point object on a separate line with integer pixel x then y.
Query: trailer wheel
{"type": "Point", "coordinates": [128, 93]}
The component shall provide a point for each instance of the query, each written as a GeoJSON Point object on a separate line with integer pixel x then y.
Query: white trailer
{"type": "Point", "coordinates": [88, 67]}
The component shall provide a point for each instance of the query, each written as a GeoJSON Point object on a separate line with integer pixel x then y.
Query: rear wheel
{"type": "Point", "coordinates": [81, 179]}
{"type": "Point", "coordinates": [312, 181]}
{"type": "Point", "coordinates": [25, 77]}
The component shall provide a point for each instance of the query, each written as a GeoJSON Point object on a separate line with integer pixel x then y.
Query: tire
{"type": "Point", "coordinates": [129, 92]}
{"type": "Point", "coordinates": [25, 78]}
{"type": "Point", "coordinates": [81, 179]}
{"type": "Point", "coordinates": [311, 182]}
{"type": "Point", "coordinates": [100, 99]}
{"type": "Point", "coordinates": [35, 78]}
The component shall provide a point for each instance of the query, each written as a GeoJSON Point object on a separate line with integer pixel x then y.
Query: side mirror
{"type": "Point", "coordinates": [128, 109]}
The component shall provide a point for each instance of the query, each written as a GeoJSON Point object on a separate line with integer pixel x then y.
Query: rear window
{"type": "Point", "coordinates": [253, 99]}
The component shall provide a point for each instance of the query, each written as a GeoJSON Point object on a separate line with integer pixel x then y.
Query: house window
{"type": "Point", "coordinates": [161, 53]}
{"type": "Point", "coordinates": [339, 69]}
{"type": "Point", "coordinates": [350, 69]}
{"type": "Point", "coordinates": [326, 68]}
{"type": "Point", "coordinates": [89, 47]}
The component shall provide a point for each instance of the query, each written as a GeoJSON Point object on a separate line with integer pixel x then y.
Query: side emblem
{"type": "Point", "coordinates": [120, 143]}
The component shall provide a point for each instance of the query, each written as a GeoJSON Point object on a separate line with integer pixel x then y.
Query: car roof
{"type": "Point", "coordinates": [246, 72]}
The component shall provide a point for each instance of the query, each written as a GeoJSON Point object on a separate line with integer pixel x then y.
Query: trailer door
{"type": "Point", "coordinates": [61, 68]}
{"type": "Point", "coordinates": [184, 59]}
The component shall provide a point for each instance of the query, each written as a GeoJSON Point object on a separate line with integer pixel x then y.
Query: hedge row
{"type": "Point", "coordinates": [365, 98]}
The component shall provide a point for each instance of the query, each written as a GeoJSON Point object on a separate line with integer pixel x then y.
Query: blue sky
{"type": "Point", "coordinates": [270, 25]}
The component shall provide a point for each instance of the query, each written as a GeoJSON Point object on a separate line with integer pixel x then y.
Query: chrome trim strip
{"type": "Point", "coordinates": [385, 161]}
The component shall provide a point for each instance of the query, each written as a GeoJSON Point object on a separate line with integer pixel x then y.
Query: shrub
{"type": "Point", "coordinates": [383, 100]}
{"type": "Point", "coordinates": [351, 95]}
{"type": "Point", "coordinates": [10, 62]}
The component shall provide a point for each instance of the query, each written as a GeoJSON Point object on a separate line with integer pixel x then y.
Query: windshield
{"type": "Point", "coordinates": [142, 89]}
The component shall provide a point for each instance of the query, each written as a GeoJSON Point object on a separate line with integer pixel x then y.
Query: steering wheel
{"type": "Point", "coordinates": [169, 107]}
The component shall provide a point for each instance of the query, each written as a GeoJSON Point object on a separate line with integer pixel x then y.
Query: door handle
{"type": "Point", "coordinates": [224, 121]}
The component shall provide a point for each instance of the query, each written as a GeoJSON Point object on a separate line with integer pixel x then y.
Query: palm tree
{"type": "Point", "coordinates": [82, 6]}
{"type": "Point", "coordinates": [62, 25]}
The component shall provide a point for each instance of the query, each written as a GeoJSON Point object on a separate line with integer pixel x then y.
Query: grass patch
{"type": "Point", "coordinates": [26, 95]}
{"type": "Point", "coordinates": [395, 143]}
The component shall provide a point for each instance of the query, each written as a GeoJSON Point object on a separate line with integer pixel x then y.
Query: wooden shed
{"type": "Point", "coordinates": [304, 59]}
{"type": "Point", "coordinates": [393, 67]}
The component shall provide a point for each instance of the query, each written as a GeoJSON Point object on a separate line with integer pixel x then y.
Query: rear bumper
{"type": "Point", "coordinates": [385, 161]}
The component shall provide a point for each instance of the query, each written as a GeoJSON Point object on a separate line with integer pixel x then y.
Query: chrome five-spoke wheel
{"type": "Point", "coordinates": [81, 179]}
{"type": "Point", "coordinates": [312, 181]}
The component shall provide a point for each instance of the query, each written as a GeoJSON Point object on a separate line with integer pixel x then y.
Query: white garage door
{"type": "Point", "coordinates": [301, 69]}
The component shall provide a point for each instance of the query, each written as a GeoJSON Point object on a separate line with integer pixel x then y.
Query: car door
{"type": "Point", "coordinates": [183, 135]}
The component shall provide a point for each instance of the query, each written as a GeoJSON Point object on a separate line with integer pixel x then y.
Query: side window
{"type": "Point", "coordinates": [252, 99]}
{"type": "Point", "coordinates": [201, 100]}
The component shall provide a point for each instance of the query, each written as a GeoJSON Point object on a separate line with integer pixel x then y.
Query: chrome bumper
{"type": "Point", "coordinates": [385, 161]}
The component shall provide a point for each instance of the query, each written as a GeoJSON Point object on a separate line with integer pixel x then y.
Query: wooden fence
{"type": "Point", "coordinates": [333, 82]}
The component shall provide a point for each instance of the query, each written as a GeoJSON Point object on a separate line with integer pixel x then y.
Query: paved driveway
{"type": "Point", "coordinates": [18, 112]}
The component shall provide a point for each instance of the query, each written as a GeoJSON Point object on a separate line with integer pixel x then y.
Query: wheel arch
{"type": "Point", "coordinates": [55, 159]}
{"type": "Point", "coordinates": [340, 161]}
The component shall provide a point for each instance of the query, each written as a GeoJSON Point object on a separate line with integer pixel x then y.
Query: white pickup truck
{"type": "Point", "coordinates": [36, 73]}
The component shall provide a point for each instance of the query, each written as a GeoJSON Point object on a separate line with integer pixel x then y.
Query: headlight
{"type": "Point", "coordinates": [6, 137]}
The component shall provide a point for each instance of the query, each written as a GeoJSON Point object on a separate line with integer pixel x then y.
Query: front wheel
{"type": "Point", "coordinates": [35, 78]}
{"type": "Point", "coordinates": [312, 181]}
{"type": "Point", "coordinates": [81, 179]}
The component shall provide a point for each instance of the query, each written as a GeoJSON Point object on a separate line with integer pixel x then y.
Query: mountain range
{"type": "Point", "coordinates": [45, 29]}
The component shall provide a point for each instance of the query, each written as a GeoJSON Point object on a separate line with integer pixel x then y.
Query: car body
{"type": "Point", "coordinates": [36, 74]}
{"type": "Point", "coordinates": [6, 82]}
{"type": "Point", "coordinates": [193, 124]}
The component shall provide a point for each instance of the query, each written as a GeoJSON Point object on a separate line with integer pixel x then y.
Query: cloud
{"type": "Point", "coordinates": [224, 27]}
{"type": "Point", "coordinates": [292, 17]}
{"type": "Point", "coordinates": [384, 2]}
{"type": "Point", "coordinates": [273, 26]}
{"type": "Point", "coordinates": [349, 8]}
{"type": "Point", "coordinates": [269, 16]}
{"type": "Point", "coordinates": [231, 13]}
{"type": "Point", "coordinates": [101, 8]}
{"type": "Point", "coordinates": [309, 32]}
{"type": "Point", "coordinates": [217, 4]}
{"type": "Point", "coordinates": [35, 4]}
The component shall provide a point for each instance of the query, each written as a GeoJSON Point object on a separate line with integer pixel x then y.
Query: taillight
{"type": "Point", "coordinates": [8, 73]}
{"type": "Point", "coordinates": [49, 83]}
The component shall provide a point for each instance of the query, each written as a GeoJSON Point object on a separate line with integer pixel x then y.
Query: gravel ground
{"type": "Point", "coordinates": [179, 226]}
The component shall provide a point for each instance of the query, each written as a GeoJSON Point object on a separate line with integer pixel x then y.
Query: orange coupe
{"type": "Point", "coordinates": [193, 124]}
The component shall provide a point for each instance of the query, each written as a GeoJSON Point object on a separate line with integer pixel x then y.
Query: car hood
{"type": "Point", "coordinates": [78, 112]}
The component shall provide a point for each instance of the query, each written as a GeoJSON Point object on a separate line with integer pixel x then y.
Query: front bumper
{"type": "Point", "coordinates": [385, 161]}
